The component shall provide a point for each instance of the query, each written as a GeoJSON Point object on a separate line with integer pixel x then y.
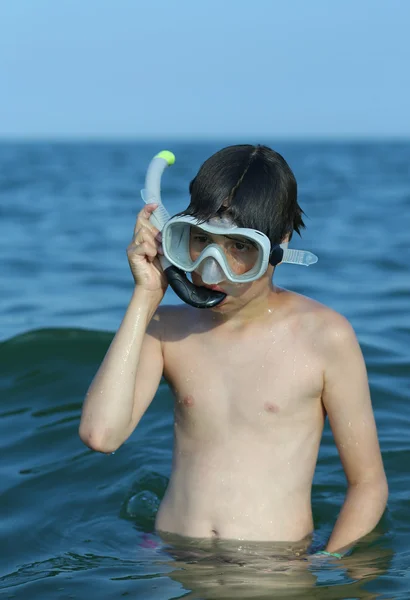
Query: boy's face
{"type": "Point", "coordinates": [241, 255]}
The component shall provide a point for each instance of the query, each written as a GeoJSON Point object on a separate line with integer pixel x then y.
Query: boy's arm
{"type": "Point", "coordinates": [127, 379]}
{"type": "Point", "coordinates": [346, 399]}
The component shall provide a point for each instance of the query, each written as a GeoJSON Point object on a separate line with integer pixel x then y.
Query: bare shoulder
{"type": "Point", "coordinates": [171, 323]}
{"type": "Point", "coordinates": [330, 329]}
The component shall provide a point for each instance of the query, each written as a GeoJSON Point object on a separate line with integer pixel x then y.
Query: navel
{"type": "Point", "coordinates": [270, 407]}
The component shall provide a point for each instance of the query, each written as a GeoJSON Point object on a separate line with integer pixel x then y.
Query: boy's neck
{"type": "Point", "coordinates": [257, 309]}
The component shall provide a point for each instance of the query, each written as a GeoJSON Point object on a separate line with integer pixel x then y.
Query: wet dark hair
{"type": "Point", "coordinates": [254, 185]}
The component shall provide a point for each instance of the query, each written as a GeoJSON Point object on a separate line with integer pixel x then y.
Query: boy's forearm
{"type": "Point", "coordinates": [362, 509]}
{"type": "Point", "coordinates": [110, 397]}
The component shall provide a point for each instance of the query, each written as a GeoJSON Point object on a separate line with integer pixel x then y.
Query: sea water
{"type": "Point", "coordinates": [77, 524]}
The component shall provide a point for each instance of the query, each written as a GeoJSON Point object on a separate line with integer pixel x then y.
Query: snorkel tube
{"type": "Point", "coordinates": [196, 296]}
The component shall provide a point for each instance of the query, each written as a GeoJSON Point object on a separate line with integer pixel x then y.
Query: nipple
{"type": "Point", "coordinates": [271, 407]}
{"type": "Point", "coordinates": [188, 401]}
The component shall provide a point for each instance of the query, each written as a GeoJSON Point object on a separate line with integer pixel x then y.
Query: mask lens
{"type": "Point", "coordinates": [241, 254]}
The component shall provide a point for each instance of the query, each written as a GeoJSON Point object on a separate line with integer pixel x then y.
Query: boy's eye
{"type": "Point", "coordinates": [241, 247]}
{"type": "Point", "coordinates": [201, 239]}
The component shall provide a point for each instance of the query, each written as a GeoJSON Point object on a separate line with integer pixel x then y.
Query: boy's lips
{"type": "Point", "coordinates": [215, 288]}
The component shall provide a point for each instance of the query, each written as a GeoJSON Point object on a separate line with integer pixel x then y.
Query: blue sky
{"type": "Point", "coordinates": [191, 69]}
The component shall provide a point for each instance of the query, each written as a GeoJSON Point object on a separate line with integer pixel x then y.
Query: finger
{"type": "Point", "coordinates": [149, 249]}
{"type": "Point", "coordinates": [144, 216]}
{"type": "Point", "coordinates": [143, 249]}
{"type": "Point", "coordinates": [144, 235]}
{"type": "Point", "coordinates": [149, 209]}
{"type": "Point", "coordinates": [144, 224]}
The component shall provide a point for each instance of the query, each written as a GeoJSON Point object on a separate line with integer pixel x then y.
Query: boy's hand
{"type": "Point", "coordinates": [143, 253]}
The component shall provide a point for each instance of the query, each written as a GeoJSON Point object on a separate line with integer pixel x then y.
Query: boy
{"type": "Point", "coordinates": [253, 377]}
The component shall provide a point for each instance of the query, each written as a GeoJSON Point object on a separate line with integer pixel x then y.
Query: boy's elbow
{"type": "Point", "coordinates": [385, 489]}
{"type": "Point", "coordinates": [382, 486]}
{"type": "Point", "coordinates": [376, 486]}
{"type": "Point", "coordinates": [96, 441]}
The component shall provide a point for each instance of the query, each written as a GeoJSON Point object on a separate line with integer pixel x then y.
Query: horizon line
{"type": "Point", "coordinates": [202, 139]}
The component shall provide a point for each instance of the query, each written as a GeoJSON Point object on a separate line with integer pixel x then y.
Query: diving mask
{"type": "Point", "coordinates": [220, 250]}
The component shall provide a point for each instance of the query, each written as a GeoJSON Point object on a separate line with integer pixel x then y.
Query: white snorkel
{"type": "Point", "coordinates": [199, 297]}
{"type": "Point", "coordinates": [152, 192]}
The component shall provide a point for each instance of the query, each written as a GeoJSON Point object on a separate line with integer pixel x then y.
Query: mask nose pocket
{"type": "Point", "coordinates": [210, 271]}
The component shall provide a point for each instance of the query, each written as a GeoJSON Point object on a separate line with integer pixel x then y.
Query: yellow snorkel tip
{"type": "Point", "coordinates": [166, 155]}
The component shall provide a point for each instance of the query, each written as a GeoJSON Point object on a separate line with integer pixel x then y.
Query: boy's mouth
{"type": "Point", "coordinates": [215, 288]}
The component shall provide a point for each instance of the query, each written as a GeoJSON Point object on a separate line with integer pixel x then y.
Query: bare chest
{"type": "Point", "coordinates": [268, 383]}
